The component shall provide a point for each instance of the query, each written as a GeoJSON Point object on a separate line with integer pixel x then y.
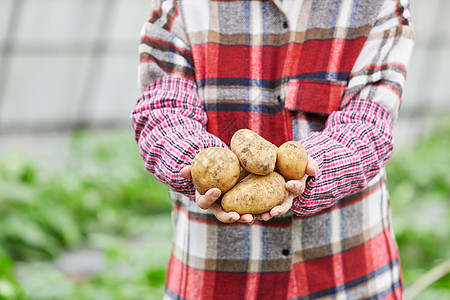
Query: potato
{"type": "Point", "coordinates": [255, 194]}
{"type": "Point", "coordinates": [256, 154]}
{"type": "Point", "coordinates": [215, 167]}
{"type": "Point", "coordinates": [242, 173]}
{"type": "Point", "coordinates": [291, 160]}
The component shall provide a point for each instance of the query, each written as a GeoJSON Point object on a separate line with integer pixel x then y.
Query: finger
{"type": "Point", "coordinates": [312, 167]}
{"type": "Point", "coordinates": [295, 187]}
{"type": "Point", "coordinates": [264, 216]}
{"type": "Point", "coordinates": [223, 216]}
{"type": "Point", "coordinates": [186, 173]}
{"type": "Point", "coordinates": [283, 207]}
{"type": "Point", "coordinates": [206, 200]}
{"type": "Point", "coordinates": [247, 218]}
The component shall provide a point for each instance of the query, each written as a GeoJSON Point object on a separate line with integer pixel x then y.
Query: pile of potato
{"type": "Point", "coordinates": [252, 175]}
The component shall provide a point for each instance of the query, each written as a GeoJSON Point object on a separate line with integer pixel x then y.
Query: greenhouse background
{"type": "Point", "coordinates": [71, 64]}
{"type": "Point", "coordinates": [68, 82]}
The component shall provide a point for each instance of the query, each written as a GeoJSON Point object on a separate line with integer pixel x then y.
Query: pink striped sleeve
{"type": "Point", "coordinates": [356, 143]}
{"type": "Point", "coordinates": [169, 126]}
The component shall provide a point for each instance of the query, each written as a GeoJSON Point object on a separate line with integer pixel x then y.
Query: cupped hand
{"type": "Point", "coordinates": [295, 189]}
{"type": "Point", "coordinates": [211, 199]}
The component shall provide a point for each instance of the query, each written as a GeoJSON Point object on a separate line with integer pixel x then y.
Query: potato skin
{"type": "Point", "coordinates": [291, 160]}
{"type": "Point", "coordinates": [215, 167]}
{"type": "Point", "coordinates": [256, 154]}
{"type": "Point", "coordinates": [255, 194]}
{"type": "Point", "coordinates": [242, 173]}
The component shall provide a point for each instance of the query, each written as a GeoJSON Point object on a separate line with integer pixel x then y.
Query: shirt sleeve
{"type": "Point", "coordinates": [169, 120]}
{"type": "Point", "coordinates": [357, 140]}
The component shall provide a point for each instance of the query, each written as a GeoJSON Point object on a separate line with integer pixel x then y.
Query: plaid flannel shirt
{"type": "Point", "coordinates": [328, 73]}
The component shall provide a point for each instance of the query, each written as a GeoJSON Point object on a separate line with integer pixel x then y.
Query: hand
{"type": "Point", "coordinates": [211, 200]}
{"type": "Point", "coordinates": [295, 188]}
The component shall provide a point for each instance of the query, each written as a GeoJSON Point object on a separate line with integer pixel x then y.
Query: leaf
{"type": "Point", "coordinates": [25, 238]}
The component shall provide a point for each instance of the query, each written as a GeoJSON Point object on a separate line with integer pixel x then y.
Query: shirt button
{"type": "Point", "coordinates": [285, 252]}
{"type": "Point", "coordinates": [285, 25]}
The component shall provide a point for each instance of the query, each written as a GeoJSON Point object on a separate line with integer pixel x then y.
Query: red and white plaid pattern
{"type": "Point", "coordinates": [327, 73]}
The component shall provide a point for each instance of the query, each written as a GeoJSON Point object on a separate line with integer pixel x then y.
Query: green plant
{"type": "Point", "coordinates": [135, 269]}
{"type": "Point", "coordinates": [103, 187]}
{"type": "Point", "coordinates": [9, 287]}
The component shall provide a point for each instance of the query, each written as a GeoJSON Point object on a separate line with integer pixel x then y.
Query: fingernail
{"type": "Point", "coordinates": [215, 193]}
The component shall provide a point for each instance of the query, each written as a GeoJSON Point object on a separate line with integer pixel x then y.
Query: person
{"type": "Point", "coordinates": [327, 73]}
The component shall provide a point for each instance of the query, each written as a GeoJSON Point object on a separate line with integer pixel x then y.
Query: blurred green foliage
{"type": "Point", "coordinates": [135, 269]}
{"type": "Point", "coordinates": [9, 287]}
{"type": "Point", "coordinates": [419, 184]}
{"type": "Point", "coordinates": [43, 211]}
{"type": "Point", "coordinates": [102, 198]}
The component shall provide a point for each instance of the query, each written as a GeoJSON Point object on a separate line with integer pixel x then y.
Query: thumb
{"type": "Point", "coordinates": [312, 166]}
{"type": "Point", "coordinates": [185, 172]}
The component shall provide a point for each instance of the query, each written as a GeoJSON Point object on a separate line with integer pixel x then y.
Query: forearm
{"type": "Point", "coordinates": [355, 144]}
{"type": "Point", "coordinates": [169, 126]}
{"type": "Point", "coordinates": [357, 140]}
